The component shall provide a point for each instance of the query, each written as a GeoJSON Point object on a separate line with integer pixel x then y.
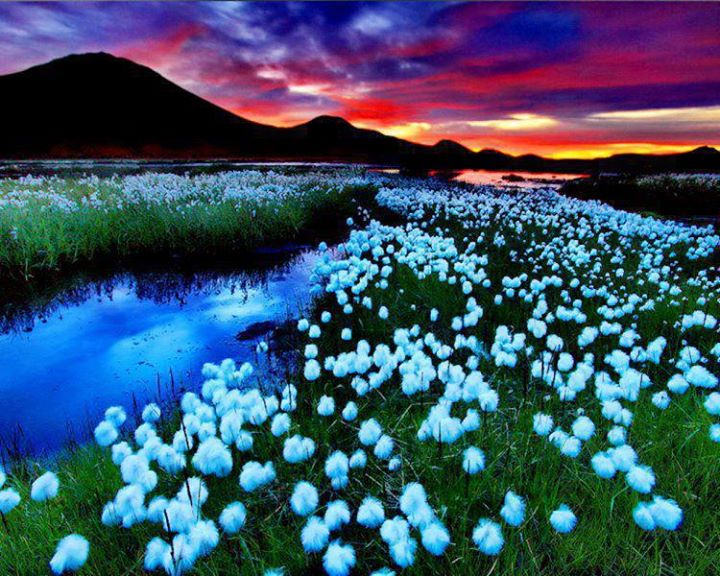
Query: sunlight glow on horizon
{"type": "Point", "coordinates": [556, 79]}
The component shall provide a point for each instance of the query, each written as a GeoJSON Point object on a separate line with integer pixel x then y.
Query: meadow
{"type": "Point", "coordinates": [489, 381]}
{"type": "Point", "coordinates": [688, 195]}
{"type": "Point", "coordinates": [50, 223]}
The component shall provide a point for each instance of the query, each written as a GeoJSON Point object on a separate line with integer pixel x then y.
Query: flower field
{"type": "Point", "coordinates": [47, 223]}
{"type": "Point", "coordinates": [489, 382]}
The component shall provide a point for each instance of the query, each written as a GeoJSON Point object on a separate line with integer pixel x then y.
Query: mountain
{"type": "Point", "coordinates": [101, 106]}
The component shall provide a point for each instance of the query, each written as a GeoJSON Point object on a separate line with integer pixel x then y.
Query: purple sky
{"type": "Point", "coordinates": [563, 79]}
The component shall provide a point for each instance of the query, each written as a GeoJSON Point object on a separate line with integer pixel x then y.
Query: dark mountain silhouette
{"type": "Point", "coordinates": [101, 106]}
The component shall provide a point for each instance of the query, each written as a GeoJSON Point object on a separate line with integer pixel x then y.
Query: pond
{"type": "Point", "coordinates": [117, 340]}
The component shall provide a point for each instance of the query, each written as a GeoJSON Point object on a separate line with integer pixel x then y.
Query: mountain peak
{"type": "Point", "coordinates": [330, 121]}
{"type": "Point", "coordinates": [450, 146]}
{"type": "Point", "coordinates": [705, 150]}
{"type": "Point", "coordinates": [89, 60]}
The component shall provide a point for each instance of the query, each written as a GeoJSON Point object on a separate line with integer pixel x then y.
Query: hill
{"type": "Point", "coordinates": [101, 106]}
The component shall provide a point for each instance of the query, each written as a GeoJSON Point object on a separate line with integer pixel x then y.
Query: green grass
{"type": "Point", "coordinates": [47, 224]}
{"type": "Point", "coordinates": [606, 541]}
{"type": "Point", "coordinates": [683, 195]}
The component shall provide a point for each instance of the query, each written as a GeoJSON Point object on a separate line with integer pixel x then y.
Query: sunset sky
{"type": "Point", "coordinates": [562, 80]}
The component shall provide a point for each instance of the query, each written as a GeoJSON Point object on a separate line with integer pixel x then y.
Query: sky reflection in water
{"type": "Point", "coordinates": [110, 340]}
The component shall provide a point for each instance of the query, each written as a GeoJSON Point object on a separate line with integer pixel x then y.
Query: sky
{"type": "Point", "coordinates": [558, 79]}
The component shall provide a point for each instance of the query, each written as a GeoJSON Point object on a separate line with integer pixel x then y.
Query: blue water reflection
{"type": "Point", "coordinates": [109, 340]}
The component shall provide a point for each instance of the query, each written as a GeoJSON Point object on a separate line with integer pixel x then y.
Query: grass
{"type": "Point", "coordinates": [51, 223]}
{"type": "Point", "coordinates": [686, 195]}
{"type": "Point", "coordinates": [674, 442]}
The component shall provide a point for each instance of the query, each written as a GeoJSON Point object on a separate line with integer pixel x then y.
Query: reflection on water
{"type": "Point", "coordinates": [105, 342]}
{"type": "Point", "coordinates": [516, 179]}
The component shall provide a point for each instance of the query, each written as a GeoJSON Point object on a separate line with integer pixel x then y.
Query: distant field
{"type": "Point", "coordinates": [48, 223]}
{"type": "Point", "coordinates": [684, 195]}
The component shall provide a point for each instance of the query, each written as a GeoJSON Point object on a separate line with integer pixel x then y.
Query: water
{"type": "Point", "coordinates": [104, 341]}
{"type": "Point", "coordinates": [515, 179]}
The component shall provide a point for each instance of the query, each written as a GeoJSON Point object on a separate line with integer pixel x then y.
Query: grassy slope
{"type": "Point", "coordinates": [606, 541]}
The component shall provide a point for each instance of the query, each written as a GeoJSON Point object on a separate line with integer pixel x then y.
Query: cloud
{"type": "Point", "coordinates": [705, 116]}
{"type": "Point", "coordinates": [408, 131]}
{"type": "Point", "coordinates": [524, 121]}
{"type": "Point", "coordinates": [540, 77]}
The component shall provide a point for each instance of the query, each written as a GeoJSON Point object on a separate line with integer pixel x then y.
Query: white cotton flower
{"type": "Point", "coordinates": [337, 465]}
{"type": "Point", "coordinates": [617, 436]}
{"type": "Point", "coordinates": [134, 469]}
{"type": "Point", "coordinates": [312, 370]}
{"type": "Point", "coordinates": [145, 432]}
{"type": "Point", "coordinates": [314, 535]}
{"type": "Point", "coordinates": [358, 459]}
{"type": "Point", "coordinates": [700, 377]}
{"type": "Point", "coordinates": [661, 400]}
{"type": "Point", "coordinates": [384, 447]}
{"type": "Point", "coordinates": [715, 432]}
{"type": "Point", "coordinates": [304, 498]}
{"type": "Point", "coordinates": [151, 413]}
{"type": "Point", "coordinates": [571, 447]}
{"type": "Point", "coordinates": [583, 428]}
{"type": "Point", "coordinates": [473, 460]}
{"type": "Point", "coordinates": [337, 513]}
{"type": "Point", "coordinates": [370, 513]}
{"type": "Point", "coordinates": [488, 537]}
{"type": "Point", "coordinates": [129, 506]}
{"type": "Point", "coordinates": [413, 498]}
{"type": "Point", "coordinates": [339, 559]}
{"type": "Point", "coordinates": [641, 479]}
{"type": "Point", "coordinates": [155, 510]}
{"type": "Point", "coordinates": [403, 552]}
{"type": "Point", "coordinates": [394, 529]}
{"type": "Point", "coordinates": [70, 555]}
{"type": "Point", "coordinates": [255, 475]}
{"type": "Point", "coordinates": [193, 491]}
{"type": "Point", "coordinates": [643, 517]}
{"type": "Point", "coordinates": [542, 424]}
{"type": "Point", "coordinates": [105, 433]}
{"type": "Point", "coordinates": [213, 458]}
{"type": "Point", "coordinates": [603, 465]}
{"type": "Point", "coordinates": [370, 432]}
{"type": "Point", "coordinates": [298, 449]}
{"type": "Point", "coordinates": [677, 384]}
{"type": "Point", "coordinates": [232, 518]}
{"type": "Point", "coordinates": [513, 510]}
{"type": "Point", "coordinates": [350, 412]}
{"type": "Point", "coordinates": [204, 537]}
{"type": "Point", "coordinates": [563, 520]}
{"type": "Point", "coordinates": [156, 553]}
{"type": "Point", "coordinates": [435, 538]}
{"type": "Point", "coordinates": [9, 498]}
{"type": "Point", "coordinates": [712, 403]}
{"type": "Point", "coordinates": [116, 416]}
{"type": "Point", "coordinates": [624, 457]}
{"type": "Point", "coordinates": [280, 424]}
{"type": "Point", "coordinates": [45, 487]}
{"type": "Point", "coordinates": [666, 513]}
{"type": "Point", "coordinates": [326, 406]}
